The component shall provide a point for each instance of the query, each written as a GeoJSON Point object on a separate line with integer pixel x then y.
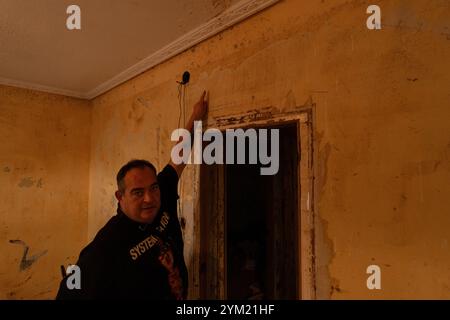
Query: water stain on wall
{"type": "Point", "coordinates": [322, 167]}
{"type": "Point", "coordinates": [137, 111]}
{"type": "Point", "coordinates": [26, 182]}
{"type": "Point", "coordinates": [39, 183]}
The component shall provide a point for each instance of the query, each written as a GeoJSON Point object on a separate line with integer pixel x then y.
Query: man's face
{"type": "Point", "coordinates": [140, 200]}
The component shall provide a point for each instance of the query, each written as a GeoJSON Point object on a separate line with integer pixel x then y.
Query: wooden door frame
{"type": "Point", "coordinates": [302, 117]}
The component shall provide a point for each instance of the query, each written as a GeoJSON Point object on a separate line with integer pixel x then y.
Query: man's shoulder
{"type": "Point", "coordinates": [106, 238]}
{"type": "Point", "coordinates": [114, 229]}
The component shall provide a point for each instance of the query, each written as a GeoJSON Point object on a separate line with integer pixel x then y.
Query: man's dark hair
{"type": "Point", "coordinates": [141, 164]}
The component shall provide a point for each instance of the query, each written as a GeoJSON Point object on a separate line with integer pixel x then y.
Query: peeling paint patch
{"type": "Point", "coordinates": [143, 102]}
{"type": "Point", "coordinates": [249, 116]}
{"type": "Point", "coordinates": [39, 183]}
{"type": "Point", "coordinates": [324, 253]}
{"type": "Point", "coordinates": [137, 111]}
{"type": "Point", "coordinates": [26, 182]}
{"type": "Point", "coordinates": [322, 169]}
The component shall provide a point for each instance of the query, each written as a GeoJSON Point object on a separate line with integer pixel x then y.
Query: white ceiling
{"type": "Point", "coordinates": [118, 39]}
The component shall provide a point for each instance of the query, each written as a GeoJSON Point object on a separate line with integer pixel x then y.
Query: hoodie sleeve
{"type": "Point", "coordinates": [93, 275]}
{"type": "Point", "coordinates": [168, 185]}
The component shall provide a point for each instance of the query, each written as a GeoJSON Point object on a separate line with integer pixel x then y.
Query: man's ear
{"type": "Point", "coordinates": [118, 195]}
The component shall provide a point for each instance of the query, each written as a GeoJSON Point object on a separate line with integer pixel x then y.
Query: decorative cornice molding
{"type": "Point", "coordinates": [38, 87]}
{"type": "Point", "coordinates": [226, 19]}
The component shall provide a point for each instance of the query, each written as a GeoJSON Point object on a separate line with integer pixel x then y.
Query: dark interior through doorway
{"type": "Point", "coordinates": [261, 226]}
{"type": "Point", "coordinates": [249, 234]}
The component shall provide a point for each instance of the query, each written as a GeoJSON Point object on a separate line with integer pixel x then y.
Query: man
{"type": "Point", "coordinates": [138, 254]}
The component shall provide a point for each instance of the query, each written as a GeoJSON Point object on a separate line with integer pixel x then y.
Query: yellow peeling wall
{"type": "Point", "coordinates": [382, 131]}
{"type": "Point", "coordinates": [381, 144]}
{"type": "Point", "coordinates": [44, 172]}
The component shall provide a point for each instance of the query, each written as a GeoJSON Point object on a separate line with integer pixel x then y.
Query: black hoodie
{"type": "Point", "coordinates": [123, 260]}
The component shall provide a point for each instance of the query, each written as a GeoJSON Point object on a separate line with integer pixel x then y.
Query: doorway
{"type": "Point", "coordinates": [256, 235]}
{"type": "Point", "coordinates": [261, 226]}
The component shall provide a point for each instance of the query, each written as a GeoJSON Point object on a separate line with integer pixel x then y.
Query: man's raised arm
{"type": "Point", "coordinates": [198, 113]}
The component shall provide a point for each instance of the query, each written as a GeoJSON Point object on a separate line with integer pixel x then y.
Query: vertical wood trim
{"type": "Point", "coordinates": [306, 227]}
{"type": "Point", "coordinates": [194, 276]}
{"type": "Point", "coordinates": [215, 276]}
{"type": "Point", "coordinates": [221, 234]}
